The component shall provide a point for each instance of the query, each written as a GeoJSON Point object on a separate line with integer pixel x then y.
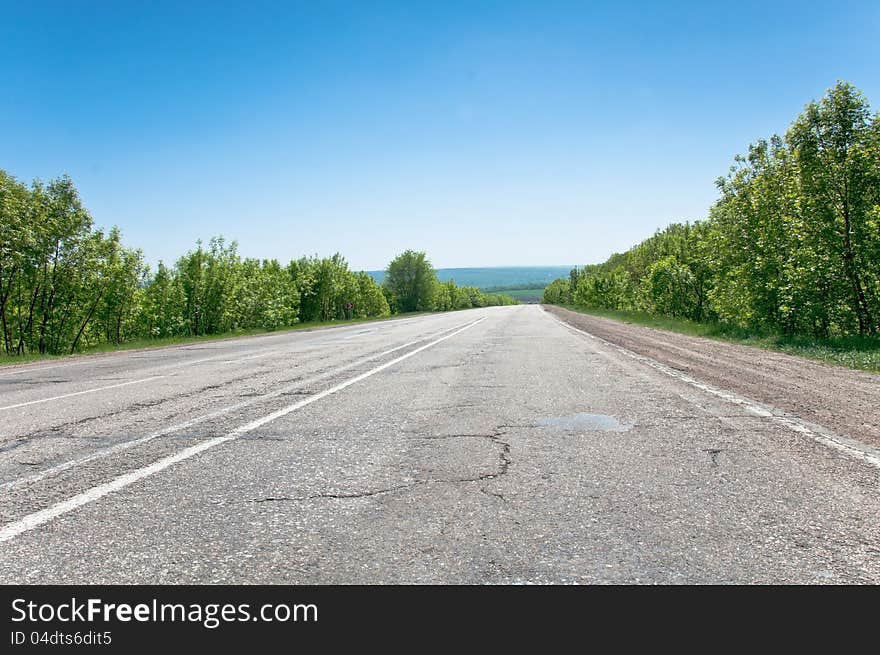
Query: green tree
{"type": "Point", "coordinates": [556, 293]}
{"type": "Point", "coordinates": [16, 250]}
{"type": "Point", "coordinates": [834, 145]}
{"type": "Point", "coordinates": [411, 282]}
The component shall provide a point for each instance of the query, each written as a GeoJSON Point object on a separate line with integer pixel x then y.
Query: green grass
{"type": "Point", "coordinates": [521, 294]}
{"type": "Point", "coordinates": [178, 341]}
{"type": "Point", "coordinates": [861, 353]}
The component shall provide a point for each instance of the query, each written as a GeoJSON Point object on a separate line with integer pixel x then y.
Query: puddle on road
{"type": "Point", "coordinates": [601, 422]}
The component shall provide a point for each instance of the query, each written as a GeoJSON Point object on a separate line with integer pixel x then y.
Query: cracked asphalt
{"type": "Point", "coordinates": [483, 446]}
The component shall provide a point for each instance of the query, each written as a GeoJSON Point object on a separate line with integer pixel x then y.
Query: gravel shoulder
{"type": "Point", "coordinates": [844, 400]}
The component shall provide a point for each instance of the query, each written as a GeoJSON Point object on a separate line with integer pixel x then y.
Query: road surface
{"type": "Point", "coordinates": [495, 445]}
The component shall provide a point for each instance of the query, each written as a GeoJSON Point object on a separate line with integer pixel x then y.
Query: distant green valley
{"type": "Point", "coordinates": [525, 283]}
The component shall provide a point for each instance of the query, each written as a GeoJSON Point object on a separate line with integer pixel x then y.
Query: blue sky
{"type": "Point", "coordinates": [487, 133]}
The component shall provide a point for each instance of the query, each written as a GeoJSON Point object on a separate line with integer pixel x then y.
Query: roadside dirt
{"type": "Point", "coordinates": [844, 400]}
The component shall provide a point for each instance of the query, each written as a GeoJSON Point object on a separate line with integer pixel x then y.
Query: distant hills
{"type": "Point", "coordinates": [492, 278]}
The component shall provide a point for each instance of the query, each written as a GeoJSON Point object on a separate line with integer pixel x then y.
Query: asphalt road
{"type": "Point", "coordinates": [484, 446]}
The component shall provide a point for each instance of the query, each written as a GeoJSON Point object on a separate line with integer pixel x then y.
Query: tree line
{"type": "Point", "coordinates": [411, 285]}
{"type": "Point", "coordinates": [66, 285]}
{"type": "Point", "coordinates": [792, 246]}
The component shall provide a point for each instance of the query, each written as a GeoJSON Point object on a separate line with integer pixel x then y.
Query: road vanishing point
{"type": "Point", "coordinates": [496, 445]}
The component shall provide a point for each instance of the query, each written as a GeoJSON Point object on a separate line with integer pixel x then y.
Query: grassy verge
{"type": "Point", "coordinates": [163, 342]}
{"type": "Point", "coordinates": [853, 352]}
{"type": "Point", "coordinates": [522, 294]}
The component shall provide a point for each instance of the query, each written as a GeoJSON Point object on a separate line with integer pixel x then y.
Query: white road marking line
{"type": "Point", "coordinates": [250, 357]}
{"type": "Point", "coordinates": [14, 369]}
{"type": "Point", "coordinates": [175, 365]}
{"type": "Point", "coordinates": [118, 359]}
{"type": "Point", "coordinates": [111, 358]}
{"type": "Point", "coordinates": [106, 452]}
{"type": "Point", "coordinates": [35, 369]}
{"type": "Point", "coordinates": [818, 433]}
{"type": "Point", "coordinates": [31, 521]}
{"type": "Point", "coordinates": [80, 393]}
{"type": "Point", "coordinates": [221, 359]}
{"type": "Point", "coordinates": [58, 468]}
{"type": "Point", "coordinates": [361, 333]}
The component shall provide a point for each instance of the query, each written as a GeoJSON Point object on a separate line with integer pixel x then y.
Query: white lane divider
{"type": "Point", "coordinates": [110, 450]}
{"type": "Point", "coordinates": [275, 353]}
{"type": "Point", "coordinates": [361, 333]}
{"type": "Point", "coordinates": [819, 433]}
{"type": "Point", "coordinates": [16, 369]}
{"type": "Point", "coordinates": [80, 393]}
{"type": "Point", "coordinates": [31, 521]}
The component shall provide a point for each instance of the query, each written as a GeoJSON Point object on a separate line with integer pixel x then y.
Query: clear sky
{"type": "Point", "coordinates": [487, 133]}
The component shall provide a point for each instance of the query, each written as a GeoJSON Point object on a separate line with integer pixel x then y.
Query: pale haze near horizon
{"type": "Point", "coordinates": [487, 134]}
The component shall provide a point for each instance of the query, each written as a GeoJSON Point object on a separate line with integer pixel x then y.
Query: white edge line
{"type": "Point", "coordinates": [28, 367]}
{"type": "Point", "coordinates": [80, 393]}
{"type": "Point", "coordinates": [818, 433]}
{"type": "Point", "coordinates": [31, 521]}
{"type": "Point", "coordinates": [224, 358]}
{"type": "Point", "coordinates": [111, 450]}
{"type": "Point", "coordinates": [361, 333]}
